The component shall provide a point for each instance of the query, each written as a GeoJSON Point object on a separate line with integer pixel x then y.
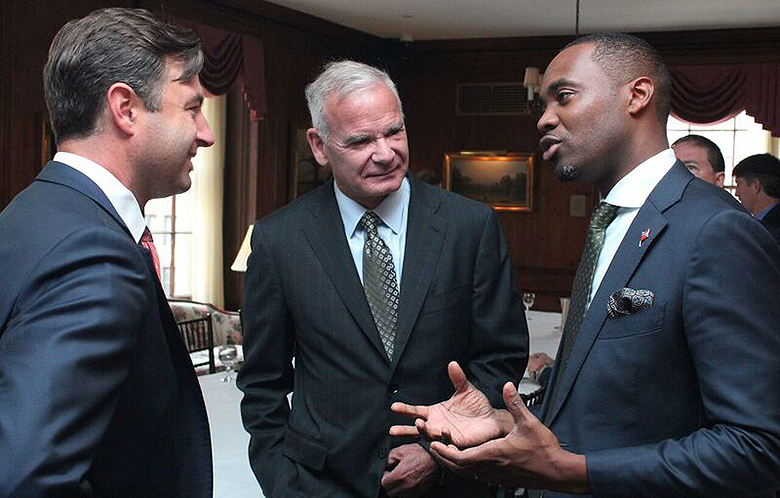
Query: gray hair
{"type": "Point", "coordinates": [342, 78]}
{"type": "Point", "coordinates": [109, 46]}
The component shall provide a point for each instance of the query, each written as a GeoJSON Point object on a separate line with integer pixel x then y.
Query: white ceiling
{"type": "Point", "coordinates": [451, 19]}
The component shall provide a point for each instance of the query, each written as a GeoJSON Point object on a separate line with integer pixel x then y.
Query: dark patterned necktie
{"type": "Point", "coordinates": [379, 282]}
{"type": "Point", "coordinates": [583, 280]}
{"type": "Point", "coordinates": [148, 243]}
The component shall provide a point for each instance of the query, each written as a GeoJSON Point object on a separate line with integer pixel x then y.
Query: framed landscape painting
{"type": "Point", "coordinates": [504, 181]}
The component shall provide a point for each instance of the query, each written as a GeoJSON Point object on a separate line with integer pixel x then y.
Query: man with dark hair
{"type": "Point", "coordinates": [758, 188]}
{"type": "Point", "coordinates": [98, 395]}
{"type": "Point", "coordinates": [373, 281]}
{"type": "Point", "coordinates": [702, 157]}
{"type": "Point", "coordinates": [639, 403]}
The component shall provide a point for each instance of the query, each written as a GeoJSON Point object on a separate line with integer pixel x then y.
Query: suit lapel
{"type": "Point", "coordinates": [425, 232]}
{"type": "Point", "coordinates": [647, 227]}
{"type": "Point", "coordinates": [325, 234]}
{"type": "Point", "coordinates": [60, 173]}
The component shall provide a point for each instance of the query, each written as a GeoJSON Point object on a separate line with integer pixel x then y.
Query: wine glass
{"type": "Point", "coordinates": [227, 354]}
{"type": "Point", "coordinates": [528, 301]}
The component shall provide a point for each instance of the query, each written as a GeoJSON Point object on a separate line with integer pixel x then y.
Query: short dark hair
{"type": "Point", "coordinates": [625, 57]}
{"type": "Point", "coordinates": [714, 156]}
{"type": "Point", "coordinates": [111, 45]}
{"type": "Point", "coordinates": [762, 167]}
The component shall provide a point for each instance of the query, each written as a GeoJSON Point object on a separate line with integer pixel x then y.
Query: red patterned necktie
{"type": "Point", "coordinates": [148, 243]}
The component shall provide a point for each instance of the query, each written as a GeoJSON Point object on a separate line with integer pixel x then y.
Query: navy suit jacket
{"type": "Point", "coordinates": [459, 301]}
{"type": "Point", "coordinates": [681, 399]}
{"type": "Point", "coordinates": [97, 393]}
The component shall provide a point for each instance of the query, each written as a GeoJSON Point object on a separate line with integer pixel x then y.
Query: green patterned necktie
{"type": "Point", "coordinates": [583, 280]}
{"type": "Point", "coordinates": [379, 282]}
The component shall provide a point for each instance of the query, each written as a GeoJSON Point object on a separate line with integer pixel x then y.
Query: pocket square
{"type": "Point", "coordinates": [626, 301]}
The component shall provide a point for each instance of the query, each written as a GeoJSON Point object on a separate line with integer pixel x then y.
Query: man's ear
{"type": "Point", "coordinates": [317, 146]}
{"type": "Point", "coordinates": [720, 178]}
{"type": "Point", "coordinates": [123, 107]}
{"type": "Point", "coordinates": [642, 90]}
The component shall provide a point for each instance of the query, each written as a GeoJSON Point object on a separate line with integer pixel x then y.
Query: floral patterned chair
{"type": "Point", "coordinates": [226, 324]}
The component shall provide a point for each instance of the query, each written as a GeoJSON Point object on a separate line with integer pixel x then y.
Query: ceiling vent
{"type": "Point", "coordinates": [491, 99]}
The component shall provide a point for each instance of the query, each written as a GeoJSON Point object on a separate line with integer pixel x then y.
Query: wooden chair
{"type": "Point", "coordinates": [534, 398]}
{"type": "Point", "coordinates": [198, 336]}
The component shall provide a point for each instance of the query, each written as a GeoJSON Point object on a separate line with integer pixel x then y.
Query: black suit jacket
{"type": "Point", "coordinates": [304, 298]}
{"type": "Point", "coordinates": [680, 399]}
{"type": "Point", "coordinates": [772, 222]}
{"type": "Point", "coordinates": [98, 396]}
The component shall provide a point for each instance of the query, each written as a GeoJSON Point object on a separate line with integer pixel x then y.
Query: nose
{"type": "Point", "coordinates": [547, 121]}
{"type": "Point", "coordinates": [204, 135]}
{"type": "Point", "coordinates": [383, 152]}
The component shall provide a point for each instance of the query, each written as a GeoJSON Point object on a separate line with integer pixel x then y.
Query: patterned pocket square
{"type": "Point", "coordinates": [626, 301]}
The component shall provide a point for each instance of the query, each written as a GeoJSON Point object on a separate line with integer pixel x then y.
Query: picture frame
{"type": "Point", "coordinates": [503, 180]}
{"type": "Point", "coordinates": [306, 173]}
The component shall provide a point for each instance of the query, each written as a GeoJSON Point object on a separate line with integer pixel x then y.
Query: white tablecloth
{"type": "Point", "coordinates": [229, 441]}
{"type": "Point", "coordinates": [232, 476]}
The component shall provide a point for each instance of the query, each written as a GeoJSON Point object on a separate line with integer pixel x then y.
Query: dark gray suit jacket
{"type": "Point", "coordinates": [680, 399]}
{"type": "Point", "coordinates": [98, 396]}
{"type": "Point", "coordinates": [459, 301]}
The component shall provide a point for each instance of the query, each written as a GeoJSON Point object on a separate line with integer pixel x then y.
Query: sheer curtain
{"type": "Point", "coordinates": [208, 188]}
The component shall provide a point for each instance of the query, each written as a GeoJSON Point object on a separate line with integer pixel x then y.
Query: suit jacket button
{"type": "Point", "coordinates": [381, 452]}
{"type": "Point", "coordinates": [392, 389]}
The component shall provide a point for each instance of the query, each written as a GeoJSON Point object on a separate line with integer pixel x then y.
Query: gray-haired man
{"type": "Point", "coordinates": [373, 282]}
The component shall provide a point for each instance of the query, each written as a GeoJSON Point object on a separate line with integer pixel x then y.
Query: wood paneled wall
{"type": "Point", "coordinates": [545, 244]}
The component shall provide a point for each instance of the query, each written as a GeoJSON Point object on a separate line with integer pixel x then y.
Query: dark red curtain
{"type": "Point", "coordinates": [709, 94]}
{"type": "Point", "coordinates": [230, 56]}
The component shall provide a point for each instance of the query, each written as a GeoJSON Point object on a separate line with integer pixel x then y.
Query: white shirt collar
{"type": "Point", "coordinates": [390, 210]}
{"type": "Point", "coordinates": [121, 198]}
{"type": "Point", "coordinates": [633, 189]}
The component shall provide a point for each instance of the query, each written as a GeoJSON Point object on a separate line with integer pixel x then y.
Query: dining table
{"type": "Point", "coordinates": [233, 478]}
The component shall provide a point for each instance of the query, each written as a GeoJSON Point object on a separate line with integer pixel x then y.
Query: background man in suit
{"type": "Point", "coordinates": [316, 290]}
{"type": "Point", "coordinates": [97, 391]}
{"type": "Point", "coordinates": [702, 157]}
{"type": "Point", "coordinates": [642, 401]}
{"type": "Point", "coordinates": [758, 188]}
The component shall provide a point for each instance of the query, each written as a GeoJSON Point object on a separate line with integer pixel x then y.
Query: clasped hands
{"type": "Point", "coordinates": [509, 447]}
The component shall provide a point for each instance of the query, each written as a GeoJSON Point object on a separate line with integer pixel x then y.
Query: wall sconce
{"type": "Point", "coordinates": [532, 81]}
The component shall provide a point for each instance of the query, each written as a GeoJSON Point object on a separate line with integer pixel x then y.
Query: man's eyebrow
{"type": "Point", "coordinates": [352, 139]}
{"type": "Point", "coordinates": [196, 99]}
{"type": "Point", "coordinates": [555, 85]}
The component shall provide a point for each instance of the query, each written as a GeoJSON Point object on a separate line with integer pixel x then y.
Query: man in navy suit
{"type": "Point", "coordinates": [450, 289]}
{"type": "Point", "coordinates": [97, 393]}
{"type": "Point", "coordinates": [758, 189]}
{"type": "Point", "coordinates": [658, 393]}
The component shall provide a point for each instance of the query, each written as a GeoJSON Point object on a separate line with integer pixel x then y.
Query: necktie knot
{"type": "Point", "coordinates": [370, 221]}
{"type": "Point", "coordinates": [146, 237]}
{"type": "Point", "coordinates": [603, 216]}
{"type": "Point", "coordinates": [147, 242]}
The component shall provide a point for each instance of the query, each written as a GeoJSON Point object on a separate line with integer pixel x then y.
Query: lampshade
{"type": "Point", "coordinates": [531, 77]}
{"type": "Point", "coordinates": [243, 253]}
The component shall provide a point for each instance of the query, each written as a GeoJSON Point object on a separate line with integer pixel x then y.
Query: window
{"type": "Point", "coordinates": [738, 138]}
{"type": "Point", "coordinates": [187, 228]}
{"type": "Point", "coordinates": [171, 220]}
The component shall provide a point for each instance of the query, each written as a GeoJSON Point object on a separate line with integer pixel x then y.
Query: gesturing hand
{"type": "Point", "coordinates": [466, 419]}
{"type": "Point", "coordinates": [528, 456]}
